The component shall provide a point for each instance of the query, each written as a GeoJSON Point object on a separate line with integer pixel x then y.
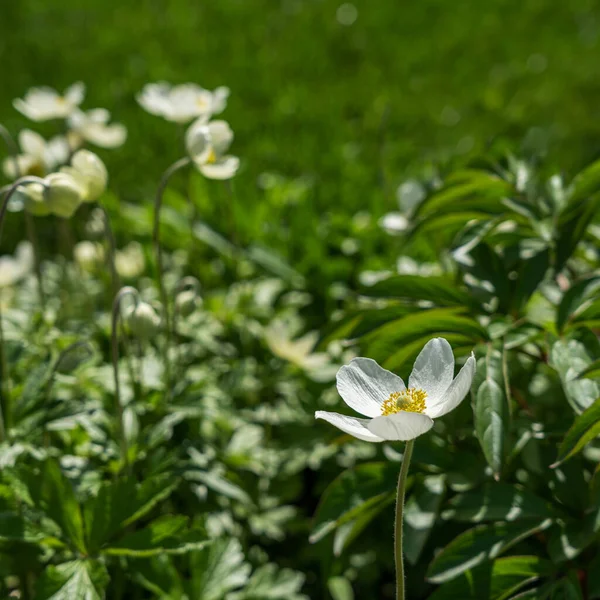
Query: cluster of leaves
{"type": "Point", "coordinates": [509, 507]}
{"type": "Point", "coordinates": [209, 487]}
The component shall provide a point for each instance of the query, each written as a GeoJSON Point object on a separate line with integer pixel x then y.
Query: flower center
{"type": "Point", "coordinates": [212, 157]}
{"type": "Point", "coordinates": [409, 400]}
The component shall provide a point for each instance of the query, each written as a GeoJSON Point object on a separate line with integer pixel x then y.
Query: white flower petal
{"type": "Point", "coordinates": [224, 168]}
{"type": "Point", "coordinates": [433, 370]}
{"type": "Point", "coordinates": [457, 391]}
{"type": "Point", "coordinates": [221, 136]}
{"type": "Point", "coordinates": [400, 426]}
{"type": "Point", "coordinates": [355, 427]}
{"type": "Point", "coordinates": [105, 136]}
{"type": "Point", "coordinates": [220, 96]}
{"type": "Point", "coordinates": [75, 93]}
{"type": "Point", "coordinates": [32, 143]}
{"type": "Point", "coordinates": [364, 386]}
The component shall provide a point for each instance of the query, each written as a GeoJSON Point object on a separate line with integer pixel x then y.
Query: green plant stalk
{"type": "Point", "coordinates": [399, 524]}
{"type": "Point", "coordinates": [116, 314]}
{"type": "Point", "coordinates": [37, 263]}
{"type": "Point", "coordinates": [176, 166]}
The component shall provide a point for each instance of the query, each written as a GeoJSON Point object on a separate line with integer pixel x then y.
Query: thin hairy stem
{"type": "Point", "coordinates": [116, 316]}
{"type": "Point", "coordinates": [399, 524]}
{"type": "Point", "coordinates": [176, 166]}
{"type": "Point", "coordinates": [112, 251]}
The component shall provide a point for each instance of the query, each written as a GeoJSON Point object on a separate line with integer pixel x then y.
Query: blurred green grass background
{"type": "Point", "coordinates": [355, 106]}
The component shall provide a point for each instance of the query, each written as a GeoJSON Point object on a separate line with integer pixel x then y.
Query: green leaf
{"type": "Point", "coordinates": [383, 343]}
{"type": "Point", "coordinates": [572, 537]}
{"type": "Point", "coordinates": [531, 274]}
{"type": "Point", "coordinates": [217, 570]}
{"type": "Point", "coordinates": [420, 513]}
{"type": "Point", "coordinates": [482, 543]}
{"type": "Point", "coordinates": [570, 358]}
{"type": "Point", "coordinates": [121, 503]}
{"type": "Point", "coordinates": [270, 583]}
{"type": "Point", "coordinates": [494, 581]}
{"type": "Point", "coordinates": [572, 226]}
{"type": "Point", "coordinates": [346, 533]}
{"type": "Point", "coordinates": [491, 411]}
{"type": "Point", "coordinates": [53, 494]}
{"type": "Point", "coordinates": [441, 291]}
{"type": "Point", "coordinates": [219, 484]}
{"type": "Point", "coordinates": [167, 534]}
{"type": "Point", "coordinates": [496, 502]}
{"type": "Point", "coordinates": [592, 371]}
{"type": "Point", "coordinates": [584, 430]}
{"type": "Point", "coordinates": [586, 182]}
{"type": "Point", "coordinates": [576, 299]}
{"type": "Point", "coordinates": [351, 493]}
{"type": "Point", "coordinates": [76, 580]}
{"type": "Point", "coordinates": [340, 588]}
{"type": "Point", "coordinates": [15, 528]}
{"type": "Point", "coordinates": [482, 192]}
{"type": "Point", "coordinates": [275, 264]}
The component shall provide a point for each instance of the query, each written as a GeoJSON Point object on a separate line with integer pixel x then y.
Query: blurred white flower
{"type": "Point", "coordinates": [45, 103]}
{"type": "Point", "coordinates": [207, 144]}
{"type": "Point", "coordinates": [410, 194]}
{"type": "Point", "coordinates": [14, 268]}
{"type": "Point", "coordinates": [63, 194]}
{"type": "Point", "coordinates": [372, 277]}
{"type": "Point", "coordinates": [38, 156]}
{"type": "Point", "coordinates": [90, 173]}
{"type": "Point", "coordinates": [58, 193]}
{"type": "Point", "coordinates": [398, 413]}
{"type": "Point", "coordinates": [93, 126]}
{"type": "Point", "coordinates": [297, 351]}
{"type": "Point", "coordinates": [130, 261]}
{"type": "Point", "coordinates": [394, 223]}
{"type": "Point", "coordinates": [88, 255]}
{"type": "Point", "coordinates": [182, 103]}
{"type": "Point", "coordinates": [408, 266]}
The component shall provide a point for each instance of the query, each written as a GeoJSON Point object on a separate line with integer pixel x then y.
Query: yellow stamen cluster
{"type": "Point", "coordinates": [409, 400]}
{"type": "Point", "coordinates": [212, 157]}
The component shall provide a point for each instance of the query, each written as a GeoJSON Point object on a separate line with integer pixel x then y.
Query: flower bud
{"type": "Point", "coordinates": [33, 199]}
{"type": "Point", "coordinates": [63, 194]}
{"type": "Point", "coordinates": [187, 302]}
{"type": "Point", "coordinates": [90, 172]}
{"type": "Point", "coordinates": [143, 321]}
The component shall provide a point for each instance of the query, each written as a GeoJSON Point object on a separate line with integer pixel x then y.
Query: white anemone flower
{"type": "Point", "coordinates": [38, 156]}
{"type": "Point", "coordinates": [90, 173]}
{"type": "Point", "coordinates": [45, 103]}
{"type": "Point", "coordinates": [94, 126]}
{"type": "Point", "coordinates": [397, 412]}
{"type": "Point", "coordinates": [207, 144]}
{"type": "Point", "coordinates": [297, 351]}
{"type": "Point", "coordinates": [182, 103]}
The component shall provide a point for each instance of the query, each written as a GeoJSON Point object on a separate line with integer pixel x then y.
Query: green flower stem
{"type": "Point", "coordinates": [37, 263]}
{"type": "Point", "coordinates": [398, 527]}
{"type": "Point", "coordinates": [112, 251]}
{"type": "Point", "coordinates": [116, 315]}
{"type": "Point", "coordinates": [176, 166]}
